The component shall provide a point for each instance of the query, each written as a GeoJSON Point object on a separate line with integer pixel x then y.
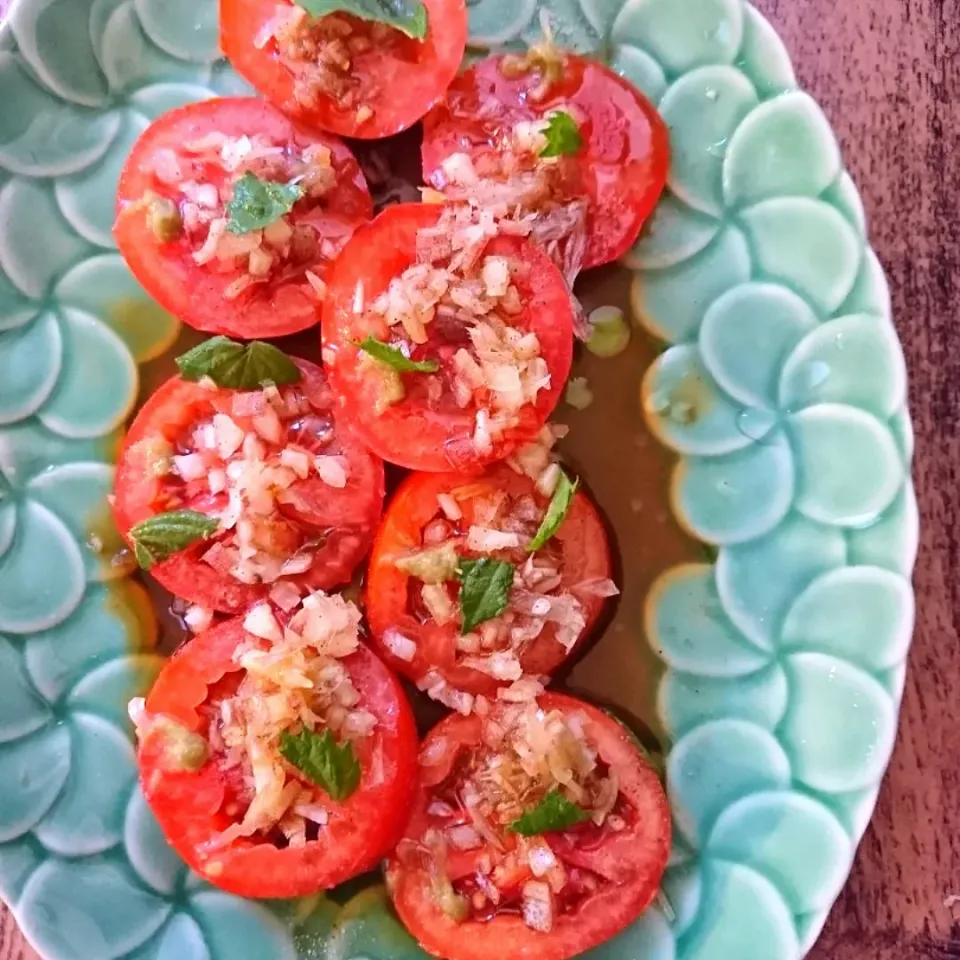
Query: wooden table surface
{"type": "Point", "coordinates": [887, 73]}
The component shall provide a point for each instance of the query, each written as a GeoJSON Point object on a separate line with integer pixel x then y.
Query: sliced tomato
{"type": "Point", "coordinates": [417, 432]}
{"type": "Point", "coordinates": [579, 552]}
{"type": "Point", "coordinates": [392, 78]}
{"type": "Point", "coordinates": [199, 294]}
{"type": "Point", "coordinates": [621, 167]}
{"type": "Point", "coordinates": [614, 874]}
{"type": "Point", "coordinates": [339, 523]}
{"type": "Point", "coordinates": [192, 807]}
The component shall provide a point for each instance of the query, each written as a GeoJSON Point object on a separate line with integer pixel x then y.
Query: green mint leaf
{"type": "Point", "coordinates": [556, 512]}
{"type": "Point", "coordinates": [331, 766]}
{"type": "Point", "coordinates": [484, 589]}
{"type": "Point", "coordinates": [563, 136]}
{"type": "Point", "coordinates": [554, 812]}
{"type": "Point", "coordinates": [404, 15]}
{"type": "Point", "coordinates": [257, 203]}
{"type": "Point", "coordinates": [238, 366]}
{"type": "Point", "coordinates": [392, 357]}
{"type": "Point", "coordinates": [158, 537]}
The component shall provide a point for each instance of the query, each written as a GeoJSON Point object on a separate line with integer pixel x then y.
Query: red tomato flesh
{"type": "Point", "coordinates": [192, 806]}
{"type": "Point", "coordinates": [206, 296]}
{"type": "Point", "coordinates": [333, 525]}
{"type": "Point", "coordinates": [621, 168]}
{"type": "Point", "coordinates": [577, 554]}
{"type": "Point", "coordinates": [612, 874]}
{"type": "Point", "coordinates": [422, 432]}
{"type": "Point", "coordinates": [340, 73]}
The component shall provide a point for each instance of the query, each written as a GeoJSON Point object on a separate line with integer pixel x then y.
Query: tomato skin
{"type": "Point", "coordinates": [622, 166]}
{"type": "Point", "coordinates": [411, 84]}
{"type": "Point", "coordinates": [351, 513]}
{"type": "Point", "coordinates": [168, 272]}
{"type": "Point", "coordinates": [586, 555]}
{"type": "Point", "coordinates": [408, 433]}
{"type": "Point", "coordinates": [187, 805]}
{"type": "Point", "coordinates": [635, 858]}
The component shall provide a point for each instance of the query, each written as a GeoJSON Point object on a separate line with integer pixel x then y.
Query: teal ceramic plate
{"type": "Point", "coordinates": [779, 648]}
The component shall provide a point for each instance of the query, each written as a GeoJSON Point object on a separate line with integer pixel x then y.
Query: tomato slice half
{"type": "Point", "coordinates": [570, 566]}
{"type": "Point", "coordinates": [192, 806]}
{"type": "Point", "coordinates": [612, 875]}
{"type": "Point", "coordinates": [336, 525]}
{"type": "Point", "coordinates": [203, 295]}
{"type": "Point", "coordinates": [621, 167]}
{"type": "Point", "coordinates": [374, 83]}
{"type": "Point", "coordinates": [418, 432]}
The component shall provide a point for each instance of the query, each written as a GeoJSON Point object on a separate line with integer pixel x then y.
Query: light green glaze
{"type": "Point", "coordinates": [783, 391]}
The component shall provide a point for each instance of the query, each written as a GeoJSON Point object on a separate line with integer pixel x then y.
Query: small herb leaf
{"type": "Point", "coordinates": [403, 15]}
{"type": "Point", "coordinates": [158, 537]}
{"type": "Point", "coordinates": [392, 357]}
{"type": "Point", "coordinates": [554, 812]}
{"type": "Point", "coordinates": [257, 203]}
{"type": "Point", "coordinates": [331, 766]}
{"type": "Point", "coordinates": [484, 589]}
{"type": "Point", "coordinates": [563, 136]}
{"type": "Point", "coordinates": [238, 366]}
{"type": "Point", "coordinates": [556, 512]}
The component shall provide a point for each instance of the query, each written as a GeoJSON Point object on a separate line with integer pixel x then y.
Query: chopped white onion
{"type": "Point", "coordinates": [482, 441]}
{"type": "Point", "coordinates": [137, 712]}
{"type": "Point", "coordinates": [260, 262]}
{"type": "Point", "coordinates": [332, 471]}
{"type": "Point", "coordinates": [541, 858]}
{"type": "Point", "coordinates": [487, 540]}
{"type": "Point", "coordinates": [268, 425]}
{"type": "Point", "coordinates": [459, 169]}
{"type": "Point", "coordinates": [316, 285]}
{"type": "Point", "coordinates": [167, 166]}
{"type": "Point", "coordinates": [190, 466]}
{"type": "Point", "coordinates": [229, 436]}
{"type": "Point", "coordinates": [438, 603]}
{"type": "Point", "coordinates": [464, 837]}
{"type": "Point", "coordinates": [547, 481]}
{"type": "Point", "coordinates": [524, 690]}
{"type": "Point", "coordinates": [399, 645]}
{"type": "Point", "coordinates": [285, 595]}
{"type": "Point", "coordinates": [502, 665]}
{"type": "Point", "coordinates": [217, 480]}
{"type": "Point", "coordinates": [198, 618]}
{"type": "Point", "coordinates": [261, 622]}
{"type": "Point", "coordinates": [208, 251]}
{"type": "Point", "coordinates": [253, 448]}
{"type": "Point", "coordinates": [449, 506]}
{"type": "Point", "coordinates": [496, 275]}
{"type": "Point", "coordinates": [297, 460]}
{"type": "Point", "coordinates": [436, 749]}
{"type": "Point", "coordinates": [439, 808]}
{"type": "Point", "coordinates": [540, 607]}
{"type": "Point", "coordinates": [537, 906]}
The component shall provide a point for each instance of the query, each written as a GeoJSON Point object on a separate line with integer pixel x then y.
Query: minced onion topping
{"type": "Point", "coordinates": [500, 526]}
{"type": "Point", "coordinates": [522, 187]}
{"type": "Point", "coordinates": [293, 678]}
{"type": "Point", "coordinates": [321, 52]}
{"type": "Point", "coordinates": [468, 301]}
{"type": "Point", "coordinates": [250, 468]}
{"type": "Point", "coordinates": [198, 213]}
{"type": "Point", "coordinates": [525, 754]}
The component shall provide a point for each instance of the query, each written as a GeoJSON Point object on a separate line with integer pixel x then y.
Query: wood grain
{"type": "Point", "coordinates": [887, 73]}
